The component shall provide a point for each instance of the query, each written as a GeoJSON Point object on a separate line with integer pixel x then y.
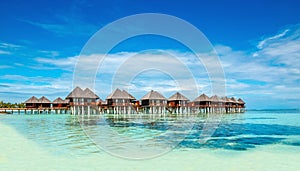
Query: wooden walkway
{"type": "Point", "coordinates": [52, 110]}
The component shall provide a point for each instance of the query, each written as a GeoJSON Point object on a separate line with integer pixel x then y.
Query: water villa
{"type": "Point", "coordinates": [153, 103]}
{"type": "Point", "coordinates": [201, 104]}
{"type": "Point", "coordinates": [82, 101]}
{"type": "Point", "coordinates": [241, 105]}
{"type": "Point", "coordinates": [43, 102]}
{"type": "Point", "coordinates": [178, 104]}
{"type": "Point", "coordinates": [86, 102]}
{"type": "Point", "coordinates": [32, 102]}
{"type": "Point", "coordinates": [44, 105]}
{"type": "Point", "coordinates": [216, 104]}
{"type": "Point", "coordinates": [60, 103]}
{"type": "Point", "coordinates": [120, 102]}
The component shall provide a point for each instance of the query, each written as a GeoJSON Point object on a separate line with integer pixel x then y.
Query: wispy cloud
{"type": "Point", "coordinates": [273, 73]}
{"type": "Point", "coordinates": [124, 64]}
{"type": "Point", "coordinates": [61, 63]}
{"type": "Point", "coordinates": [284, 52]}
{"type": "Point", "coordinates": [8, 48]}
{"type": "Point", "coordinates": [262, 43]}
{"type": "Point", "coordinates": [5, 66]}
{"type": "Point", "coordinates": [67, 26]}
{"type": "Point", "coordinates": [25, 86]}
{"type": "Point", "coordinates": [9, 45]}
{"type": "Point", "coordinates": [50, 53]}
{"type": "Point", "coordinates": [2, 52]}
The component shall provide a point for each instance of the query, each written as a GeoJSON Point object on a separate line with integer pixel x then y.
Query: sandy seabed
{"type": "Point", "coordinates": [19, 153]}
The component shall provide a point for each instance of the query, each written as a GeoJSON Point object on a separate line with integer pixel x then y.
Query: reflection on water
{"type": "Point", "coordinates": [64, 134]}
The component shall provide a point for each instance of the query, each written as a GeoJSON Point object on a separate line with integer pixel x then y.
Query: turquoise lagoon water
{"type": "Point", "coordinates": [255, 140]}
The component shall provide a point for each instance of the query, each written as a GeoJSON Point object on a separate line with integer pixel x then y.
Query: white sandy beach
{"type": "Point", "coordinates": [19, 153]}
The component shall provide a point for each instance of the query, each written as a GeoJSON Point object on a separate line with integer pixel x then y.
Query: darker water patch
{"type": "Point", "coordinates": [260, 118]}
{"type": "Point", "coordinates": [295, 143]}
{"type": "Point", "coordinates": [224, 136]}
{"type": "Point", "coordinates": [229, 130]}
{"type": "Point", "coordinates": [239, 144]}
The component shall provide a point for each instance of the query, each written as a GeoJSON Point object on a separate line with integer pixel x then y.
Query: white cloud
{"type": "Point", "coordinates": [68, 26]}
{"type": "Point", "coordinates": [51, 53]}
{"type": "Point", "coordinates": [2, 52]}
{"type": "Point", "coordinates": [63, 63]}
{"type": "Point", "coordinates": [24, 87]}
{"type": "Point", "coordinates": [272, 72]}
{"type": "Point", "coordinates": [9, 45]}
{"type": "Point", "coordinates": [123, 67]}
{"type": "Point", "coordinates": [244, 74]}
{"type": "Point", "coordinates": [263, 42]}
{"type": "Point", "coordinates": [272, 75]}
{"type": "Point", "coordinates": [8, 48]}
{"type": "Point", "coordinates": [5, 66]}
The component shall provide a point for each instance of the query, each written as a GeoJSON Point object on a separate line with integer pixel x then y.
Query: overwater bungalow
{"type": "Point", "coordinates": [178, 104]}
{"type": "Point", "coordinates": [90, 98]}
{"type": "Point", "coordinates": [102, 106]}
{"type": "Point", "coordinates": [134, 102]}
{"type": "Point", "coordinates": [41, 105]}
{"type": "Point", "coordinates": [217, 104]}
{"type": "Point", "coordinates": [120, 102]}
{"type": "Point", "coordinates": [131, 97]}
{"type": "Point", "coordinates": [241, 105]}
{"type": "Point", "coordinates": [234, 104]}
{"type": "Point", "coordinates": [80, 102]}
{"type": "Point", "coordinates": [60, 103]}
{"type": "Point", "coordinates": [154, 103]}
{"type": "Point", "coordinates": [201, 104]}
{"type": "Point", "coordinates": [228, 104]}
{"type": "Point", "coordinates": [43, 102]}
{"type": "Point", "coordinates": [60, 106]}
{"type": "Point", "coordinates": [32, 102]}
{"type": "Point", "coordinates": [83, 101]}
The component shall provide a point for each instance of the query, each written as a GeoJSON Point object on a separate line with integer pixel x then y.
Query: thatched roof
{"type": "Point", "coordinates": [118, 94]}
{"type": "Point", "coordinates": [43, 99]}
{"type": "Point", "coordinates": [79, 93]}
{"type": "Point", "coordinates": [60, 101]}
{"type": "Point", "coordinates": [233, 100]}
{"type": "Point", "coordinates": [153, 95]}
{"type": "Point", "coordinates": [87, 93]}
{"type": "Point", "coordinates": [76, 93]}
{"type": "Point", "coordinates": [178, 96]}
{"type": "Point", "coordinates": [131, 96]}
{"type": "Point", "coordinates": [32, 99]}
{"type": "Point", "coordinates": [227, 100]}
{"type": "Point", "coordinates": [202, 98]}
{"type": "Point", "coordinates": [215, 98]}
{"type": "Point", "coordinates": [240, 101]}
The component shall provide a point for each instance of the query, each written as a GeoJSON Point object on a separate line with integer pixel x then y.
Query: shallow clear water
{"type": "Point", "coordinates": [62, 135]}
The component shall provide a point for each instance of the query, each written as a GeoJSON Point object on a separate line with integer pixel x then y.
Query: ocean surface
{"type": "Point", "coordinates": [255, 140]}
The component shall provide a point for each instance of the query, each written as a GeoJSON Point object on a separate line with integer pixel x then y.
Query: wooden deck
{"type": "Point", "coordinates": [43, 110]}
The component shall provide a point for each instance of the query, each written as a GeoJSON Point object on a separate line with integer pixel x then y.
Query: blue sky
{"type": "Point", "coordinates": [258, 43]}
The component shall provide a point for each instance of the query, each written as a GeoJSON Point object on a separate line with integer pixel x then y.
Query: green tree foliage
{"type": "Point", "coordinates": [11, 105]}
